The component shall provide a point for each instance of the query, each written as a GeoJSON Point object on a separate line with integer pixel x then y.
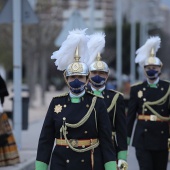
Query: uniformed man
{"type": "Point", "coordinates": [150, 105]}
{"type": "Point", "coordinates": [114, 100]}
{"type": "Point", "coordinates": [77, 121]}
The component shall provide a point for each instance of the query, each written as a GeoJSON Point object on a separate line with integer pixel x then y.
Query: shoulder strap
{"type": "Point", "coordinates": [113, 103]}
{"type": "Point", "coordinates": [114, 100]}
{"type": "Point", "coordinates": [61, 95]}
{"type": "Point", "coordinates": [135, 84]}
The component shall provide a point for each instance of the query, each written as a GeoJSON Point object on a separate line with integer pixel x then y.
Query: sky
{"type": "Point", "coordinates": [166, 2]}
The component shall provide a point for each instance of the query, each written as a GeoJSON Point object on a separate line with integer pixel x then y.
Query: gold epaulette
{"type": "Point", "coordinates": [62, 95]}
{"type": "Point", "coordinates": [89, 92]}
{"type": "Point", "coordinates": [116, 92]}
{"type": "Point", "coordinates": [135, 84]}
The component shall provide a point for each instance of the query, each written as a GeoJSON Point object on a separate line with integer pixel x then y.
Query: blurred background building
{"type": "Point", "coordinates": [139, 20]}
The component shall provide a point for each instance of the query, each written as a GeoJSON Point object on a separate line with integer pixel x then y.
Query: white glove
{"type": "Point", "coordinates": [121, 163]}
{"type": "Point", "coordinates": [1, 108]}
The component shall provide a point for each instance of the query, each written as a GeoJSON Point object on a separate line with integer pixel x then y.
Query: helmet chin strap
{"type": "Point", "coordinates": [92, 82]}
{"type": "Point", "coordinates": [65, 78]}
{"type": "Point", "coordinates": [152, 78]}
{"type": "Point", "coordinates": [96, 83]}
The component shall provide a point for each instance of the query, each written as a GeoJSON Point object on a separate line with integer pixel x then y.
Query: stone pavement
{"type": "Point", "coordinates": [30, 137]}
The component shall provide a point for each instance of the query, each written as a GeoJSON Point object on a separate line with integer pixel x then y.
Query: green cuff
{"type": "Point", "coordinates": [122, 155]}
{"type": "Point", "coordinates": [128, 140]}
{"type": "Point", "coordinates": [110, 165]}
{"type": "Point", "coordinates": [40, 165]}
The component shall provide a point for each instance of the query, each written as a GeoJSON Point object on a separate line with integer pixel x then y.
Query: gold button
{"type": "Point", "coordinates": [87, 105]}
{"type": "Point", "coordinates": [82, 160]}
{"type": "Point", "coordinates": [83, 146]}
{"type": "Point", "coordinates": [162, 89]}
{"type": "Point", "coordinates": [146, 109]}
{"type": "Point", "coordinates": [107, 96]}
{"type": "Point", "coordinates": [146, 120]}
{"type": "Point", "coordinates": [65, 105]}
{"type": "Point", "coordinates": [67, 160]}
{"type": "Point", "coordinates": [146, 130]}
{"type": "Point", "coordinates": [162, 110]}
{"type": "Point", "coordinates": [67, 147]}
{"type": "Point", "coordinates": [144, 99]}
{"type": "Point", "coordinates": [144, 89]}
{"type": "Point", "coordinates": [85, 132]}
{"type": "Point", "coordinates": [64, 118]}
{"type": "Point", "coordinates": [162, 132]}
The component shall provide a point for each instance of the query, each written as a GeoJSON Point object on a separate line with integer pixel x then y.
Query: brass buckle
{"type": "Point", "coordinates": [74, 142]}
{"type": "Point", "coordinates": [153, 117]}
{"type": "Point", "coordinates": [124, 166]}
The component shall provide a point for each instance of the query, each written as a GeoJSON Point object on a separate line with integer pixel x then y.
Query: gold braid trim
{"type": "Point", "coordinates": [96, 119]}
{"type": "Point", "coordinates": [81, 122]}
{"type": "Point", "coordinates": [85, 118]}
{"type": "Point", "coordinates": [113, 102]}
{"type": "Point", "coordinates": [79, 150]}
{"type": "Point", "coordinates": [158, 102]}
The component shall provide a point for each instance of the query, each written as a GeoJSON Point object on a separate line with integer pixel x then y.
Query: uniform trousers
{"type": "Point", "coordinates": [151, 159]}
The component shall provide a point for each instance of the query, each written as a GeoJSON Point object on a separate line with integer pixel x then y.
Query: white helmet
{"type": "Point", "coordinates": [146, 55]}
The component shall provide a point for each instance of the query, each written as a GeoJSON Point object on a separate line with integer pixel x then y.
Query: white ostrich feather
{"type": "Point", "coordinates": [65, 55]}
{"type": "Point", "coordinates": [95, 45]}
{"type": "Point", "coordinates": [144, 52]}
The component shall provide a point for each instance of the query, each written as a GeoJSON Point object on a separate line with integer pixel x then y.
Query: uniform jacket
{"type": "Point", "coordinates": [64, 158]}
{"type": "Point", "coordinates": [119, 125]}
{"type": "Point", "coordinates": [152, 135]}
{"type": "Point", "coordinates": [118, 120]}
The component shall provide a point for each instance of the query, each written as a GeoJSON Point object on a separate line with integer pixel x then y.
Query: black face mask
{"type": "Point", "coordinates": [152, 74]}
{"type": "Point", "coordinates": [77, 86]}
{"type": "Point", "coordinates": [97, 81]}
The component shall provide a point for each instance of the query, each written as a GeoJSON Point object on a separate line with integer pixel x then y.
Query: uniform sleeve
{"type": "Point", "coordinates": [46, 140]}
{"type": "Point", "coordinates": [121, 128]}
{"type": "Point", "coordinates": [132, 111]}
{"type": "Point", "coordinates": [104, 131]}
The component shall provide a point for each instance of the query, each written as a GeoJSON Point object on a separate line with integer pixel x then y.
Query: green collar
{"type": "Point", "coordinates": [153, 85]}
{"type": "Point", "coordinates": [97, 92]}
{"type": "Point", "coordinates": [75, 99]}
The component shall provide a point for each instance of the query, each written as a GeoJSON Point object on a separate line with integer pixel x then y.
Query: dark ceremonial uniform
{"type": "Point", "coordinates": [96, 127]}
{"type": "Point", "coordinates": [116, 108]}
{"type": "Point", "coordinates": [3, 90]}
{"type": "Point", "coordinates": [151, 107]}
